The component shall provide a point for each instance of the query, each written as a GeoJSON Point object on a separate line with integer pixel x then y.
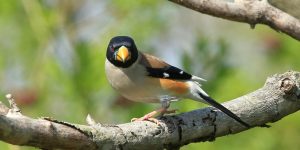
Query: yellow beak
{"type": "Point", "coordinates": [123, 54]}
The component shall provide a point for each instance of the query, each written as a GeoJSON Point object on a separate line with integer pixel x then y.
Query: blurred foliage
{"type": "Point", "coordinates": [52, 57]}
{"type": "Point", "coordinates": [212, 56]}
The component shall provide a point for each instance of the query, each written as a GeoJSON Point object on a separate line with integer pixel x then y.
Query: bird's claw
{"type": "Point", "coordinates": [147, 117]}
{"type": "Point", "coordinates": [154, 120]}
{"type": "Point", "coordinates": [172, 111]}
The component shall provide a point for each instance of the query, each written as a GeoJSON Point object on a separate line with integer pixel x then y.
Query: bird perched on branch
{"type": "Point", "coordinates": [145, 78]}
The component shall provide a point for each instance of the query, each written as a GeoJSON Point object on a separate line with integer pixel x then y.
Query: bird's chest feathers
{"type": "Point", "coordinates": [125, 80]}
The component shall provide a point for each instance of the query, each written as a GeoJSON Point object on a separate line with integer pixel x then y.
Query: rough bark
{"type": "Point", "coordinates": [280, 96]}
{"type": "Point", "coordinates": [248, 11]}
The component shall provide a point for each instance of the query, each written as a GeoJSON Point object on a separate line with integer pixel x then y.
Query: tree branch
{"type": "Point", "coordinates": [248, 11]}
{"type": "Point", "coordinates": [279, 97]}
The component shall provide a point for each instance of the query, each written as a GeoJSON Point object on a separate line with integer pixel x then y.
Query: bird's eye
{"type": "Point", "coordinates": [112, 48]}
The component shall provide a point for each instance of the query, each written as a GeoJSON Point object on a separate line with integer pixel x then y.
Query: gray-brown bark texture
{"type": "Point", "coordinates": [248, 11]}
{"type": "Point", "coordinates": [280, 96]}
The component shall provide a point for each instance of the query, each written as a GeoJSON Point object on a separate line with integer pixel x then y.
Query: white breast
{"type": "Point", "coordinates": [132, 83]}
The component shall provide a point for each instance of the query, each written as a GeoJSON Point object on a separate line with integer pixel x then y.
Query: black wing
{"type": "Point", "coordinates": [168, 72]}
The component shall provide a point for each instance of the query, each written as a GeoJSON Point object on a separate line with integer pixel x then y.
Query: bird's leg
{"type": "Point", "coordinates": [165, 104]}
{"type": "Point", "coordinates": [161, 111]}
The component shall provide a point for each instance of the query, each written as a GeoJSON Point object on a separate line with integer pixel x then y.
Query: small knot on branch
{"type": "Point", "coordinates": [290, 88]}
{"type": "Point", "coordinates": [287, 85]}
{"type": "Point", "coordinates": [90, 121]}
{"type": "Point", "coordinates": [14, 109]}
{"type": "Point", "coordinates": [8, 96]}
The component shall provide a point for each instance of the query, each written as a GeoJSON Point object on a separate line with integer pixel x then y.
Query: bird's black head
{"type": "Point", "coordinates": [121, 51]}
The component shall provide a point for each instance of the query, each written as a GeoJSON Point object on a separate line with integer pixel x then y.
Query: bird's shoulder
{"type": "Point", "coordinates": [152, 61]}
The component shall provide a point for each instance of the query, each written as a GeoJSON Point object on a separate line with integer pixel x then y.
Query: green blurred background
{"type": "Point", "coordinates": [52, 55]}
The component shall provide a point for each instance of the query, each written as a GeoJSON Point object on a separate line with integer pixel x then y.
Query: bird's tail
{"type": "Point", "coordinates": [217, 105]}
{"type": "Point", "coordinates": [223, 109]}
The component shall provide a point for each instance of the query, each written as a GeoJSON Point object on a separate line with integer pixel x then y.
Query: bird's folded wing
{"type": "Point", "coordinates": [157, 68]}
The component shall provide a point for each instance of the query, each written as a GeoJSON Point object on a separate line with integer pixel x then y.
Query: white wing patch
{"type": "Point", "coordinates": [166, 75]}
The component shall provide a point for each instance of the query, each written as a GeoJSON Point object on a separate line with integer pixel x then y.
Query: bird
{"type": "Point", "coordinates": [142, 77]}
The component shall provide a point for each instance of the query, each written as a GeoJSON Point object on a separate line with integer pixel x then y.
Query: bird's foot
{"type": "Point", "coordinates": [149, 116]}
{"type": "Point", "coordinates": [154, 120]}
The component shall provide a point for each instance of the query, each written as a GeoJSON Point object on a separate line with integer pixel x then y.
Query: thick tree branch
{"type": "Point", "coordinates": [248, 11]}
{"type": "Point", "coordinates": [279, 97]}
